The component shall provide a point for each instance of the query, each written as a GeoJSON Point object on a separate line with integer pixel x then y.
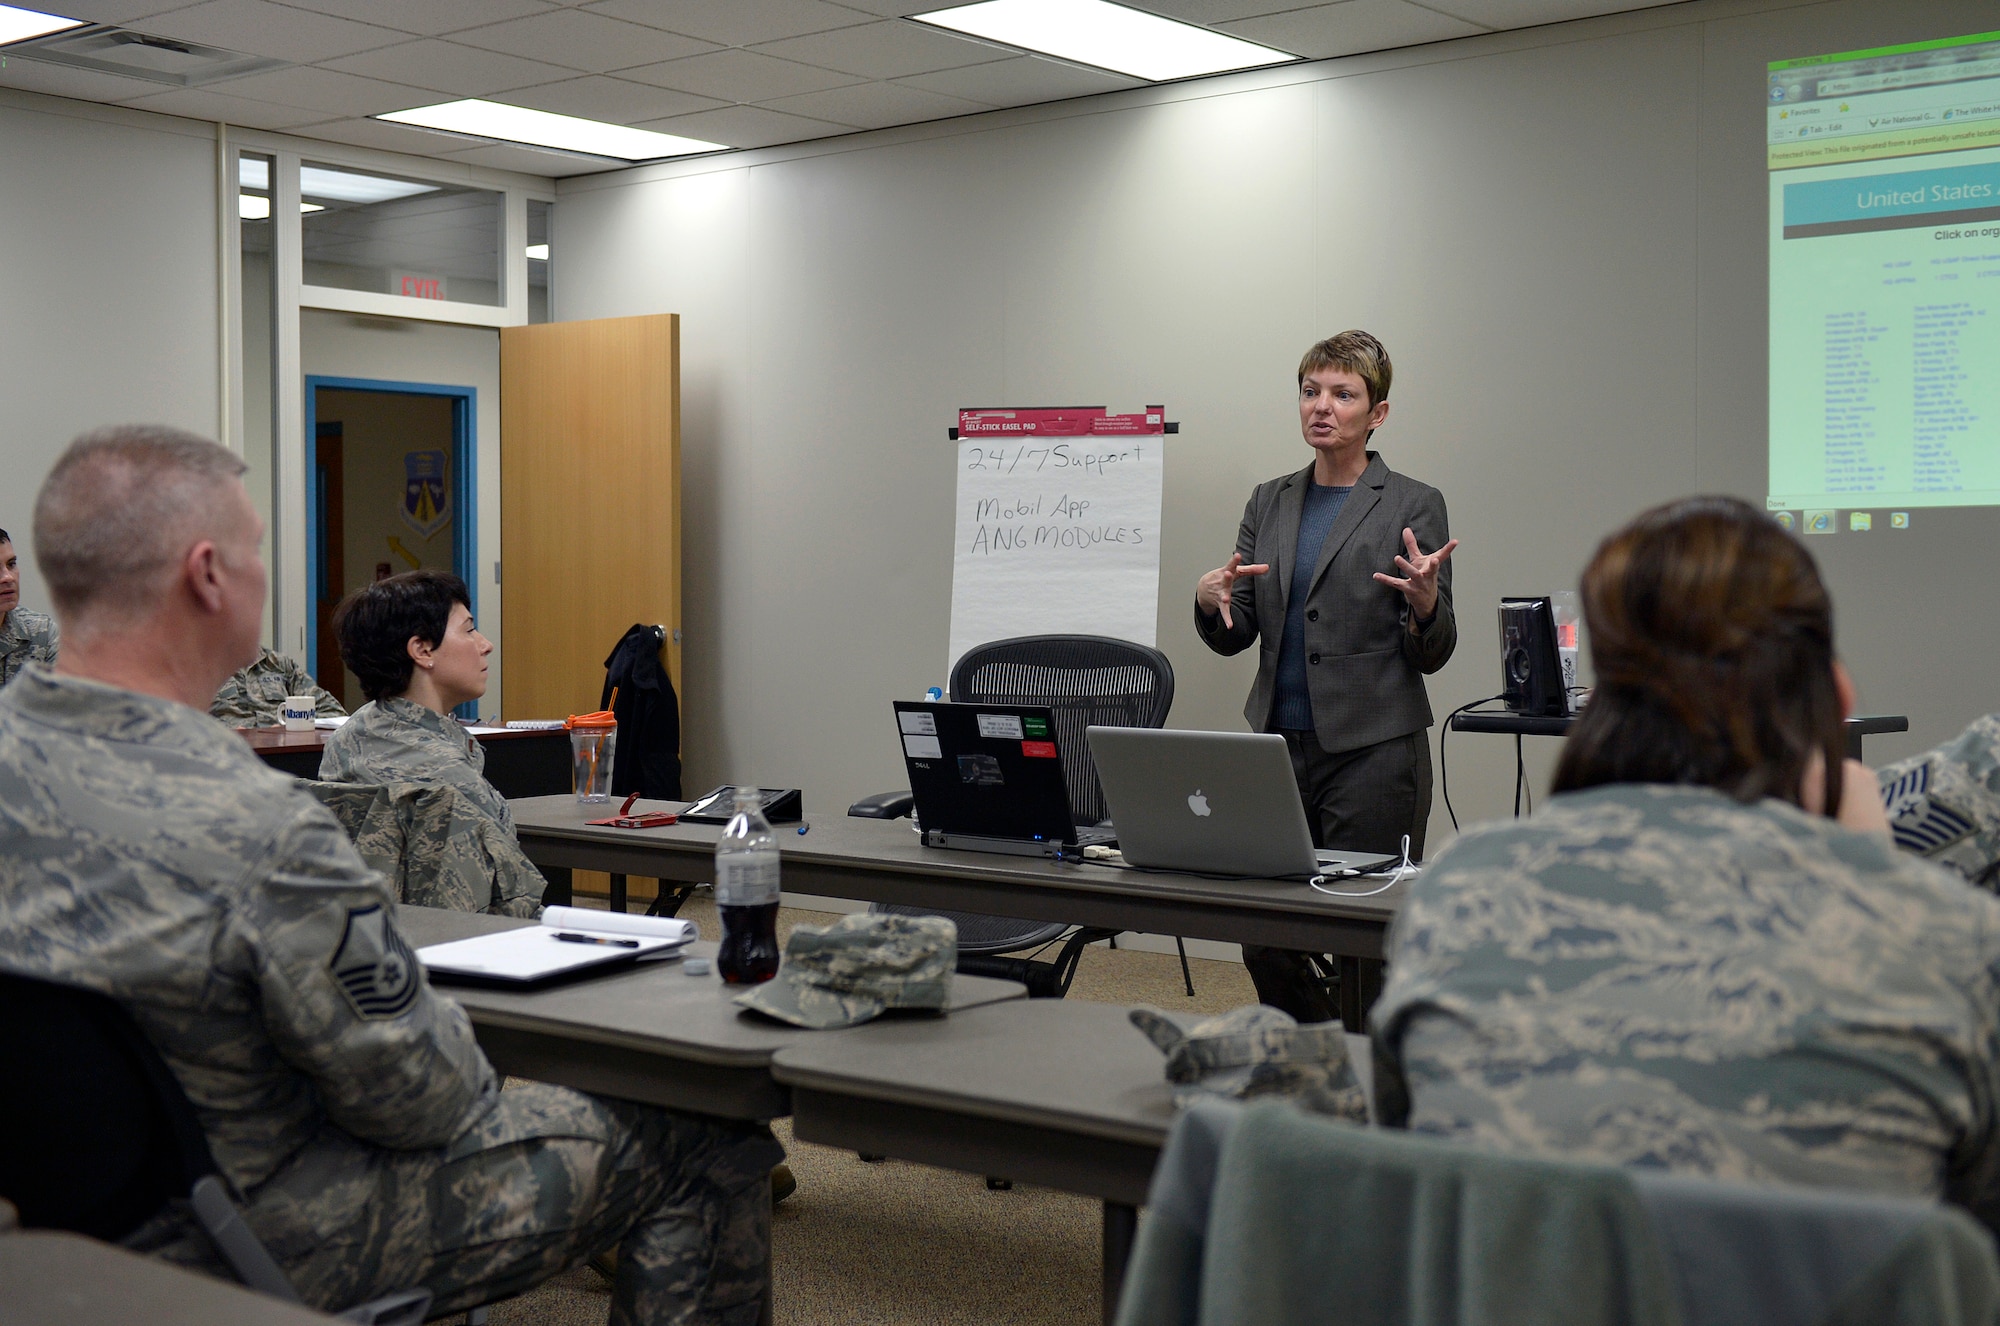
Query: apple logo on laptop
{"type": "Point", "coordinates": [1198, 804]}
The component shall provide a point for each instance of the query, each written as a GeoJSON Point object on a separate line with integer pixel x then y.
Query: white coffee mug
{"type": "Point", "coordinates": [300, 710]}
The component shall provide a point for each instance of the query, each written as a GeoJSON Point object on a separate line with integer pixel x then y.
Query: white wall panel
{"type": "Point", "coordinates": [108, 304]}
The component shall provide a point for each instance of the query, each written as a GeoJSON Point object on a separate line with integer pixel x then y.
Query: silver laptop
{"type": "Point", "coordinates": [1212, 803]}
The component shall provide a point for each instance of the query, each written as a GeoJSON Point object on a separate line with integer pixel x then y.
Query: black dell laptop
{"type": "Point", "coordinates": [989, 778]}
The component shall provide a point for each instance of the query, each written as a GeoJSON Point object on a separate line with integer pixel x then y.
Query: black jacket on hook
{"type": "Point", "coordinates": [649, 717]}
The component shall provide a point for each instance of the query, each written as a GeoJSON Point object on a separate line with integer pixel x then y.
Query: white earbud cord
{"type": "Point", "coordinates": [1401, 871]}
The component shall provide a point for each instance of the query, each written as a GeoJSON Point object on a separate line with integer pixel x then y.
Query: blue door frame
{"type": "Point", "coordinates": [465, 489]}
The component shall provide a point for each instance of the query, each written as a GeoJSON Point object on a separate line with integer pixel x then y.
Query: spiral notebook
{"type": "Point", "coordinates": [568, 941]}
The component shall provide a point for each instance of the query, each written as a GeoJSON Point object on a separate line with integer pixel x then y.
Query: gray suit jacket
{"type": "Point", "coordinates": [1364, 668]}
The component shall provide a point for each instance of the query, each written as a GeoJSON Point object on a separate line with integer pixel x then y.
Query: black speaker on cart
{"type": "Point", "coordinates": [1531, 669]}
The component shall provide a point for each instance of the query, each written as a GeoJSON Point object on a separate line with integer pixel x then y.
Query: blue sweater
{"type": "Point", "coordinates": [1291, 707]}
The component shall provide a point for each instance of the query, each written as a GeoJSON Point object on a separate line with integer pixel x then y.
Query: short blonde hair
{"type": "Point", "coordinates": [1353, 352]}
{"type": "Point", "coordinates": [120, 505]}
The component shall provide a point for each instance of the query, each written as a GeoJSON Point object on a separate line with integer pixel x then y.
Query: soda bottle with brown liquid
{"type": "Point", "coordinates": [746, 894]}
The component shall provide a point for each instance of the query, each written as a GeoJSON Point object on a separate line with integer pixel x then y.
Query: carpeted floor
{"type": "Point", "coordinates": [894, 1244]}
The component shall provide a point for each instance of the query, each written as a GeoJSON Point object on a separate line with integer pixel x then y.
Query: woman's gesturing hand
{"type": "Point", "coordinates": [1212, 592]}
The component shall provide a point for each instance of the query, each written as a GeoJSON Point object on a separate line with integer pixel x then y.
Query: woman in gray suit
{"type": "Point", "coordinates": [1330, 579]}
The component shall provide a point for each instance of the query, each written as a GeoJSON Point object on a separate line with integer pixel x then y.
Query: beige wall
{"type": "Point", "coordinates": [377, 429]}
{"type": "Point", "coordinates": [1558, 232]}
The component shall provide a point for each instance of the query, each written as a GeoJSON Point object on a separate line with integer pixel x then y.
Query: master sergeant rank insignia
{"type": "Point", "coordinates": [1920, 822]}
{"type": "Point", "coordinates": [373, 966]}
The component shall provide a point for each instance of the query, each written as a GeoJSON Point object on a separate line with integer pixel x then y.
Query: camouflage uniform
{"type": "Point", "coordinates": [27, 637]}
{"type": "Point", "coordinates": [147, 853]}
{"type": "Point", "coordinates": [1945, 803]}
{"type": "Point", "coordinates": [399, 741]}
{"type": "Point", "coordinates": [436, 849]}
{"type": "Point", "coordinates": [1662, 976]}
{"type": "Point", "coordinates": [255, 696]}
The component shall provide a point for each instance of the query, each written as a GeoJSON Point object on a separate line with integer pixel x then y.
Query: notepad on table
{"type": "Point", "coordinates": [569, 939]}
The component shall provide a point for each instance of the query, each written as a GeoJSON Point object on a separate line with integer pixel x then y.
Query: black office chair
{"type": "Point", "coordinates": [1086, 680]}
{"type": "Point", "coordinates": [101, 1137]}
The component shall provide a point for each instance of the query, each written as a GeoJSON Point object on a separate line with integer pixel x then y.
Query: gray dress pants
{"type": "Point", "coordinates": [1361, 800]}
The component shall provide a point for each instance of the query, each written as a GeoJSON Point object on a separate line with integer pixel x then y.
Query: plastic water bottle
{"type": "Point", "coordinates": [746, 894]}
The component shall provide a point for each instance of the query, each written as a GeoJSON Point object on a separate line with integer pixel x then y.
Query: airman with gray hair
{"type": "Point", "coordinates": [148, 854]}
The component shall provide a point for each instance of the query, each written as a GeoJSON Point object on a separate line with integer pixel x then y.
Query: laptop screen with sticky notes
{"type": "Point", "coordinates": [985, 770]}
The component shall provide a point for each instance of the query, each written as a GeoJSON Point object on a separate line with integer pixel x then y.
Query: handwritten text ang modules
{"type": "Point", "coordinates": [1057, 534]}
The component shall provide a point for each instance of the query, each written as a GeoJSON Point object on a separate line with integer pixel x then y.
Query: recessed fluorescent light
{"type": "Point", "coordinates": [1106, 35]}
{"type": "Point", "coordinates": [518, 124]}
{"type": "Point", "coordinates": [342, 186]}
{"type": "Point", "coordinates": [346, 186]}
{"type": "Point", "coordinates": [27, 24]}
{"type": "Point", "coordinates": [538, 253]}
{"type": "Point", "coordinates": [251, 207]}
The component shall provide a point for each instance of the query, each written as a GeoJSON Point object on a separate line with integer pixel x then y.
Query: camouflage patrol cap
{"type": "Point", "coordinates": [855, 968]}
{"type": "Point", "coordinates": [1257, 1051]}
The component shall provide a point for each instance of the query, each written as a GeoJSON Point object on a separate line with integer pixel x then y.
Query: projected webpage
{"type": "Point", "coordinates": [1885, 281]}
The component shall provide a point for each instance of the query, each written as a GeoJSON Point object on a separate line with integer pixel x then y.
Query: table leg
{"type": "Point", "coordinates": [617, 893]}
{"type": "Point", "coordinates": [558, 893]}
{"type": "Point", "coordinates": [1121, 1222]}
{"type": "Point", "coordinates": [1360, 987]}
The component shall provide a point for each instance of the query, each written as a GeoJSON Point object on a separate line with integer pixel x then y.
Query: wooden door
{"type": "Point", "coordinates": [590, 508]}
{"type": "Point", "coordinates": [590, 503]}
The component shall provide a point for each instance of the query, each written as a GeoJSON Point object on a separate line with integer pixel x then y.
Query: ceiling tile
{"type": "Point", "coordinates": [449, 67]}
{"type": "Point", "coordinates": [738, 76]}
{"type": "Point", "coordinates": [876, 105]}
{"type": "Point", "coordinates": [897, 8]}
{"type": "Point", "coordinates": [529, 161]}
{"type": "Point", "coordinates": [391, 137]}
{"type": "Point", "coordinates": [1350, 27]}
{"type": "Point", "coordinates": [1213, 11]}
{"type": "Point", "coordinates": [590, 42]}
{"type": "Point", "coordinates": [326, 90]}
{"type": "Point", "coordinates": [429, 18]}
{"type": "Point", "coordinates": [1527, 13]}
{"type": "Point", "coordinates": [62, 81]}
{"type": "Point", "coordinates": [748, 126]}
{"type": "Point", "coordinates": [614, 100]}
{"type": "Point", "coordinates": [733, 22]}
{"type": "Point", "coordinates": [201, 104]}
{"type": "Point", "coordinates": [885, 50]}
{"type": "Point", "coordinates": [108, 11]}
{"type": "Point", "coordinates": [1021, 81]}
{"type": "Point", "coordinates": [261, 28]}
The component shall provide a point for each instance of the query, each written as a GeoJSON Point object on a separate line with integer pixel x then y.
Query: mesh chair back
{"type": "Point", "coordinates": [111, 1136]}
{"type": "Point", "coordinates": [1085, 679]}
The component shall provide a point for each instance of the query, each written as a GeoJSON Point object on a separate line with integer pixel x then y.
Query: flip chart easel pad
{"type": "Point", "coordinates": [1057, 535]}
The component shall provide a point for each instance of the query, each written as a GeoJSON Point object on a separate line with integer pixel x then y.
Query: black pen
{"type": "Point", "coordinates": [594, 939]}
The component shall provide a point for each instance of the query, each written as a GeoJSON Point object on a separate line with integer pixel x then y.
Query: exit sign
{"type": "Point", "coordinates": [412, 285]}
